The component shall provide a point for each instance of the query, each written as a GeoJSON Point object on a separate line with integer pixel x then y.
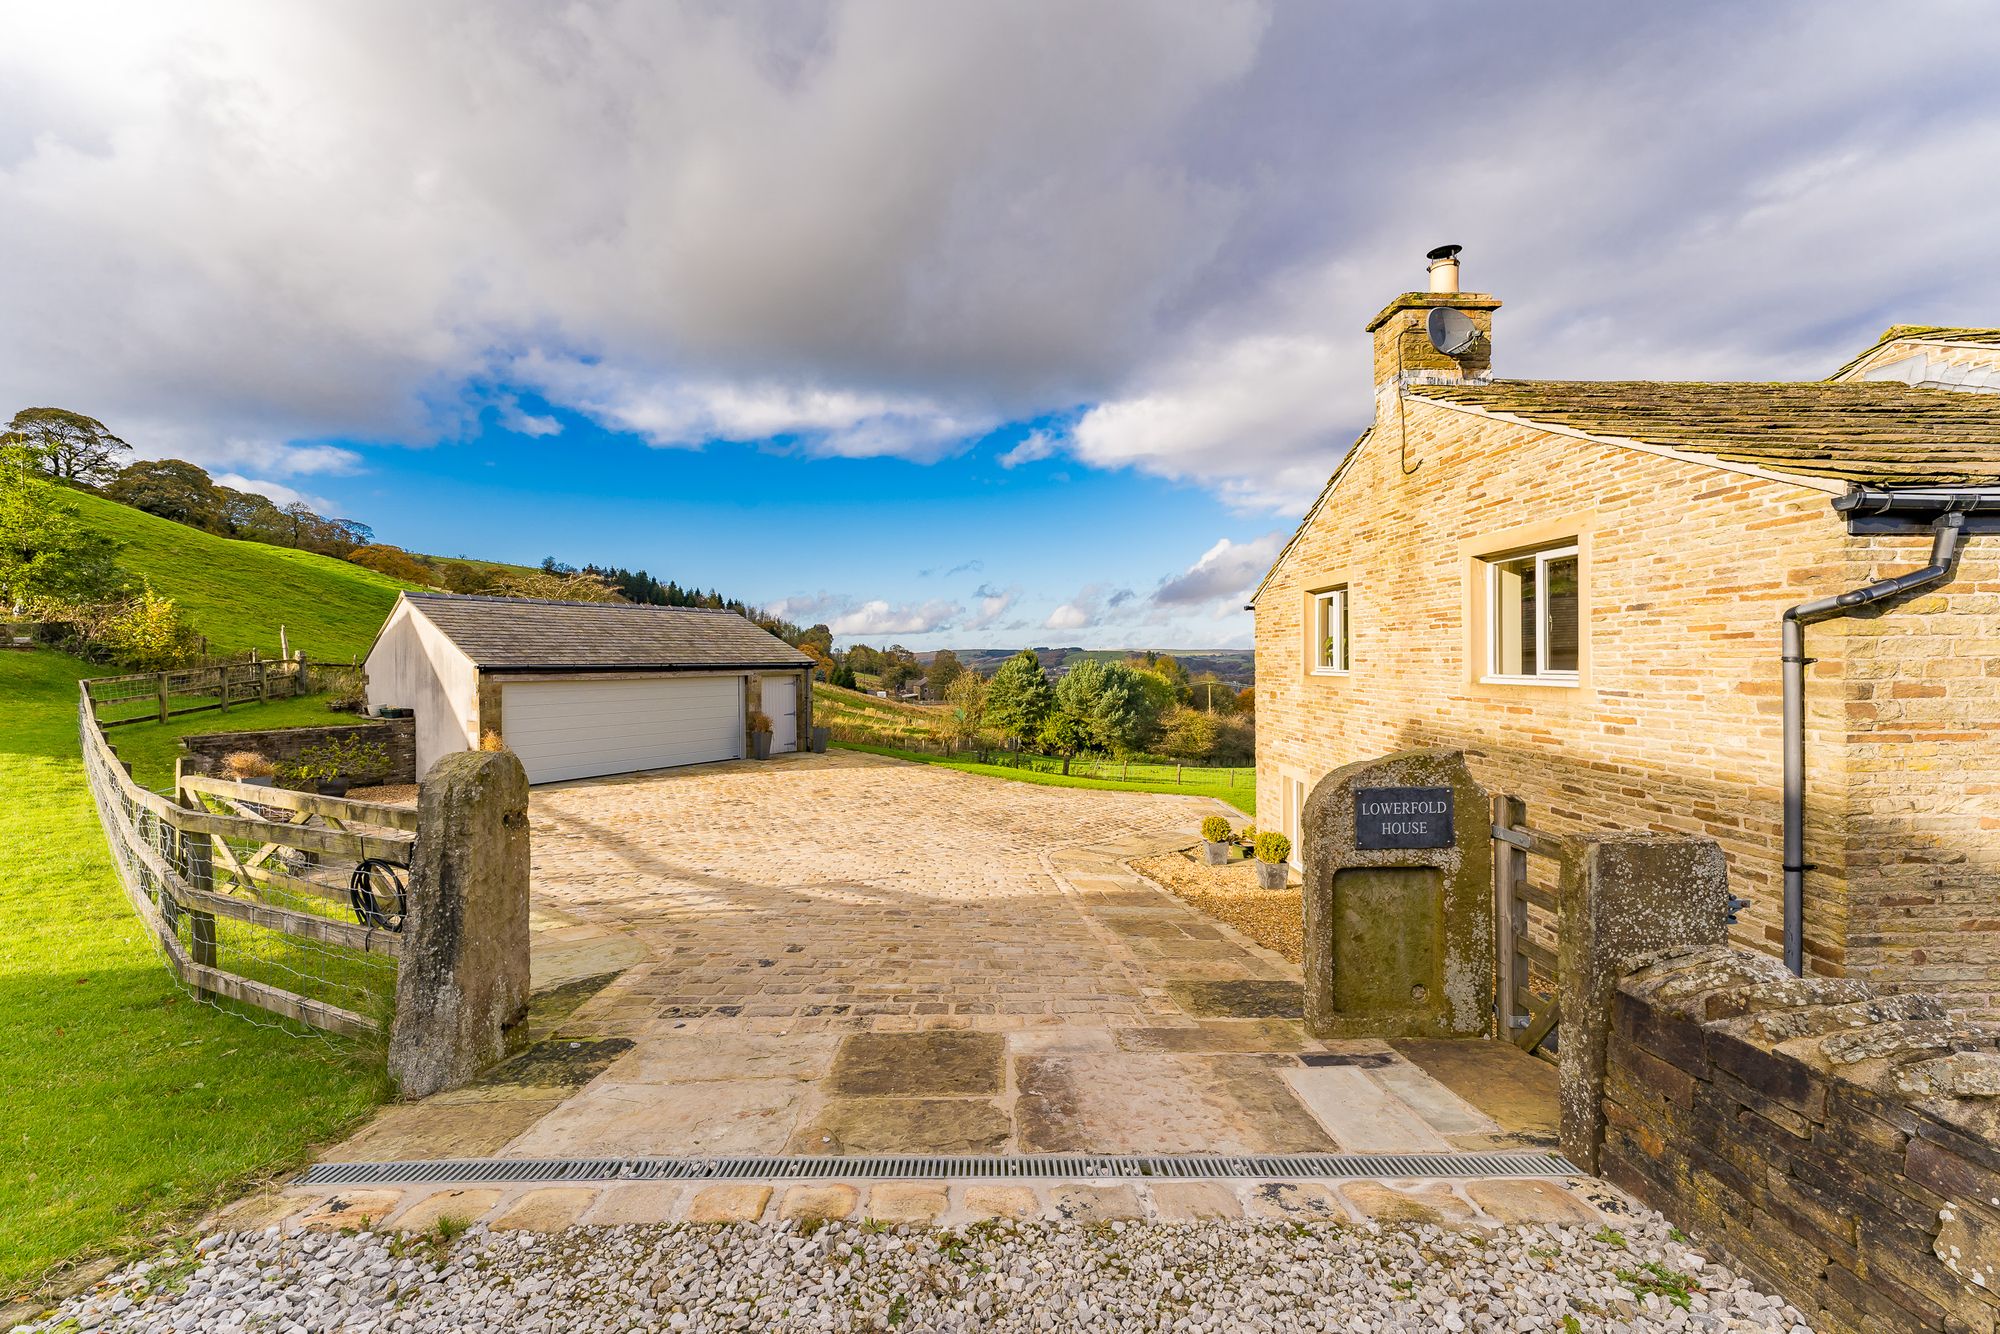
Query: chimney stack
{"type": "Point", "coordinates": [1444, 268]}
{"type": "Point", "coordinates": [1403, 348]}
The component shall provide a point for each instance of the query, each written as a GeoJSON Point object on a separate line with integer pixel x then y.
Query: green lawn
{"type": "Point", "coordinates": [1200, 782]}
{"type": "Point", "coordinates": [239, 593]}
{"type": "Point", "coordinates": [129, 1105]}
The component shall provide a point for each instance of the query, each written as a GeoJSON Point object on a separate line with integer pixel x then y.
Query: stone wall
{"type": "Point", "coordinates": [205, 750]}
{"type": "Point", "coordinates": [1843, 1146]}
{"type": "Point", "coordinates": [1674, 725]}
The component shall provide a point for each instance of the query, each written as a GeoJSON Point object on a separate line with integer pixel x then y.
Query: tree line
{"type": "Point", "coordinates": [1146, 704]}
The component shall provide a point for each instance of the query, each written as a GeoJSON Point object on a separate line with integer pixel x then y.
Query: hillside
{"type": "Point", "coordinates": [238, 593]}
{"type": "Point", "coordinates": [1235, 665]}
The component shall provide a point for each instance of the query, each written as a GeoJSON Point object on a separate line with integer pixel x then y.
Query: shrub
{"type": "Point", "coordinates": [247, 764]}
{"type": "Point", "coordinates": [1215, 829]}
{"type": "Point", "coordinates": [491, 741]}
{"type": "Point", "coordinates": [760, 721]}
{"type": "Point", "coordinates": [341, 757]}
{"type": "Point", "coordinates": [1273, 847]}
{"type": "Point", "coordinates": [148, 633]}
{"type": "Point", "coordinates": [1248, 835]}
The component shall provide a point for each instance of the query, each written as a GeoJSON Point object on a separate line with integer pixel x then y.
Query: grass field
{"type": "Point", "coordinates": [1242, 794]}
{"type": "Point", "coordinates": [129, 1105]}
{"type": "Point", "coordinates": [239, 593]}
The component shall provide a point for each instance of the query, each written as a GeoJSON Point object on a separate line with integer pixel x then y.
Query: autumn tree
{"type": "Point", "coordinates": [394, 562]}
{"type": "Point", "coordinates": [68, 445]}
{"type": "Point", "coordinates": [173, 489]}
{"type": "Point", "coordinates": [965, 709]}
{"type": "Point", "coordinates": [1018, 698]}
{"type": "Point", "coordinates": [945, 668]}
{"type": "Point", "coordinates": [1189, 734]}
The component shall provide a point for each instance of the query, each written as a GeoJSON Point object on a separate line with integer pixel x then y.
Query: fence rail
{"type": "Point", "coordinates": [143, 697]}
{"type": "Point", "coordinates": [1526, 924]}
{"type": "Point", "coordinates": [286, 901]}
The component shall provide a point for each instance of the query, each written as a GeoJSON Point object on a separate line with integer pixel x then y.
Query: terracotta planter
{"type": "Point", "coordinates": [1218, 853]}
{"type": "Point", "coordinates": [1273, 875]}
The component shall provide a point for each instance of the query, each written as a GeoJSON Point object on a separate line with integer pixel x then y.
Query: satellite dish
{"type": "Point", "coordinates": [1451, 332]}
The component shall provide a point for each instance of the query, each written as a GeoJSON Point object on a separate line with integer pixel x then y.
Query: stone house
{"type": "Point", "coordinates": [1582, 584]}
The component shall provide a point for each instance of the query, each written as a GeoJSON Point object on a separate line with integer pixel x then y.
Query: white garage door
{"type": "Point", "coordinates": [579, 729]}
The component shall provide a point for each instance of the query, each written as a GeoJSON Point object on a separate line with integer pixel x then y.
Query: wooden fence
{"type": "Point", "coordinates": [282, 900]}
{"type": "Point", "coordinates": [142, 697]}
{"type": "Point", "coordinates": [1526, 924]}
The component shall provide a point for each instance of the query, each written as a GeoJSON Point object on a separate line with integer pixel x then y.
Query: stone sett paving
{"type": "Point", "coordinates": [841, 954]}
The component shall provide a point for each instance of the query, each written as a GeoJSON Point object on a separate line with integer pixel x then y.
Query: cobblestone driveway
{"type": "Point", "coordinates": [849, 955]}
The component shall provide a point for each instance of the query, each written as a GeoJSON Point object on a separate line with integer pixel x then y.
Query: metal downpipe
{"type": "Point", "coordinates": [1948, 530]}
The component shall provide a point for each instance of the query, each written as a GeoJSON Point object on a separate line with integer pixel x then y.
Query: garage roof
{"type": "Point", "coordinates": [536, 635]}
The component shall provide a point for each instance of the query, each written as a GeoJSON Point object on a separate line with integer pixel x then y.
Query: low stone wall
{"type": "Point", "coordinates": [281, 745]}
{"type": "Point", "coordinates": [1843, 1146]}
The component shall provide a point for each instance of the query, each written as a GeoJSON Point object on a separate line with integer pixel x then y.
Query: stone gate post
{"type": "Point", "coordinates": [462, 984]}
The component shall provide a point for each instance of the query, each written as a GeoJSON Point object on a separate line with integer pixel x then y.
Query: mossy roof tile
{"type": "Point", "coordinates": [1877, 433]}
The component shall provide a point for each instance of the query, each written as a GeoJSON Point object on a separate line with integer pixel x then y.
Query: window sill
{"type": "Point", "coordinates": [1331, 671]}
{"type": "Point", "coordinates": [1565, 682]}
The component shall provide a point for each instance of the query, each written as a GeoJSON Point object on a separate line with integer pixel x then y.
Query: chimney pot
{"type": "Point", "coordinates": [1444, 268]}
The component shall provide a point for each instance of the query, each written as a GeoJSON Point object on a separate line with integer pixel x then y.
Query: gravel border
{"type": "Point", "coordinates": [995, 1276]}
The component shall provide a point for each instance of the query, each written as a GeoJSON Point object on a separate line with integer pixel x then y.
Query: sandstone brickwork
{"type": "Point", "coordinates": [1674, 722]}
{"type": "Point", "coordinates": [1838, 1143]}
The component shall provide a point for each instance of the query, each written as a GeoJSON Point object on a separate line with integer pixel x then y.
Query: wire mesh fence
{"type": "Point", "coordinates": [157, 696]}
{"type": "Point", "coordinates": [286, 905]}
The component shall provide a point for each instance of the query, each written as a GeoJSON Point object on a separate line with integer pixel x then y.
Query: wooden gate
{"type": "Point", "coordinates": [1527, 866]}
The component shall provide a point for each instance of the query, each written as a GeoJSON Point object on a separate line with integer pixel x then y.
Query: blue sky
{"type": "Point", "coordinates": [944, 324]}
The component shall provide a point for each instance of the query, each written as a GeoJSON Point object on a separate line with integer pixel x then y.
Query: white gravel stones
{"type": "Point", "coordinates": [1002, 1276]}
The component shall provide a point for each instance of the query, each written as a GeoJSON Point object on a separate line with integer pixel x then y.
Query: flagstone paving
{"type": "Point", "coordinates": [841, 954]}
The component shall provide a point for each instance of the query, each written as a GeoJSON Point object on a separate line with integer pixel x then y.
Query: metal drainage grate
{"type": "Point", "coordinates": [1038, 1167]}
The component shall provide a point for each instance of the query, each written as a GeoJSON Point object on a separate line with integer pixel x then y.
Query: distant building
{"type": "Point", "coordinates": [1581, 584]}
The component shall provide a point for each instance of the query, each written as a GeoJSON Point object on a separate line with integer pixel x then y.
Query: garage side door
{"type": "Point", "coordinates": [580, 729]}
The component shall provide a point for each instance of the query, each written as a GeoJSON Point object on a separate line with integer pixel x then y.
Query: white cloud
{"type": "Point", "coordinates": [880, 229]}
{"type": "Point", "coordinates": [1036, 446]}
{"type": "Point", "coordinates": [1069, 616]}
{"type": "Point", "coordinates": [993, 603]}
{"type": "Point", "coordinates": [1224, 575]}
{"type": "Point", "coordinates": [277, 492]}
{"type": "Point", "coordinates": [850, 618]}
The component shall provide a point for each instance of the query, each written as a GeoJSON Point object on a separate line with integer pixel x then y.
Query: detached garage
{"type": "Point", "coordinates": [583, 689]}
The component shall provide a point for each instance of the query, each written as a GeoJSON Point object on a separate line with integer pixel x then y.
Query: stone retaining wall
{"type": "Point", "coordinates": [1842, 1145]}
{"type": "Point", "coordinates": [282, 745]}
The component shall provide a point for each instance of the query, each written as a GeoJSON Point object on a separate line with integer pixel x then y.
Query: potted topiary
{"type": "Point", "coordinates": [247, 766]}
{"type": "Point", "coordinates": [760, 734]}
{"type": "Point", "coordinates": [1247, 836]}
{"type": "Point", "coordinates": [1216, 840]}
{"type": "Point", "coordinates": [1273, 850]}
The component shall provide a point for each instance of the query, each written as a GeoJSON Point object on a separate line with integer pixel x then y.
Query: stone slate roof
{"type": "Point", "coordinates": [1878, 433]}
{"type": "Point", "coordinates": [1920, 333]}
{"type": "Point", "coordinates": [532, 634]}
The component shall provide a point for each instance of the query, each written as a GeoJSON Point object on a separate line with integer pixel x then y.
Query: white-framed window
{"type": "Point", "coordinates": [1330, 654]}
{"type": "Point", "coordinates": [1533, 616]}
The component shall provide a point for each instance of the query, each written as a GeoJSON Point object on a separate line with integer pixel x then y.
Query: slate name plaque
{"type": "Point", "coordinates": [1402, 817]}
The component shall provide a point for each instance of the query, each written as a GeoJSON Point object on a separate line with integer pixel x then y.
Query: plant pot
{"type": "Point", "coordinates": [335, 787]}
{"type": "Point", "coordinates": [760, 745]}
{"type": "Point", "coordinates": [821, 736]}
{"type": "Point", "coordinates": [1218, 853]}
{"type": "Point", "coordinates": [1273, 875]}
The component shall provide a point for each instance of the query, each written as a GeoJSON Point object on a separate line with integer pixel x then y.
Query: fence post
{"type": "Point", "coordinates": [162, 687]}
{"type": "Point", "coordinates": [263, 682]}
{"type": "Point", "coordinates": [222, 685]}
{"type": "Point", "coordinates": [1510, 916]}
{"type": "Point", "coordinates": [462, 987]}
{"type": "Point", "coordinates": [1622, 896]}
{"type": "Point", "coordinates": [197, 867]}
